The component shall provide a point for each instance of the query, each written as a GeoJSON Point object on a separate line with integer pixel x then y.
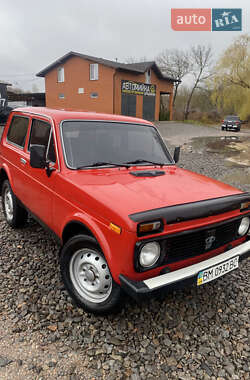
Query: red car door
{"type": "Point", "coordinates": [39, 186]}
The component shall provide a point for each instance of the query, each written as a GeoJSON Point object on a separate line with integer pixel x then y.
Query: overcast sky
{"type": "Point", "coordinates": [35, 33]}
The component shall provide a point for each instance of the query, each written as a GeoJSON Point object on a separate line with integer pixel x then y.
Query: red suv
{"type": "Point", "coordinates": [126, 216]}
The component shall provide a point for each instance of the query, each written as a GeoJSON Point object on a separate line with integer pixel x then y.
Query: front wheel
{"type": "Point", "coordinates": [87, 277]}
{"type": "Point", "coordinates": [15, 214]}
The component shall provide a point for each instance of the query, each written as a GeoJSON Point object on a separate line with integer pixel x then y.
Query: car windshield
{"type": "Point", "coordinates": [232, 118]}
{"type": "Point", "coordinates": [100, 143]}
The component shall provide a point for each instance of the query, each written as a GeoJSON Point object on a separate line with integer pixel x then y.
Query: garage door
{"type": "Point", "coordinates": [149, 107]}
{"type": "Point", "coordinates": [128, 105]}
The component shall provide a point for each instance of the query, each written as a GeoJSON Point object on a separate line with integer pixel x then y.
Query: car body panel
{"type": "Point", "coordinates": [99, 196]}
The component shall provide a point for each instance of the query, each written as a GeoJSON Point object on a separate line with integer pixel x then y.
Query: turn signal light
{"type": "Point", "coordinates": [144, 228]}
{"type": "Point", "coordinates": [115, 228]}
{"type": "Point", "coordinates": [244, 206]}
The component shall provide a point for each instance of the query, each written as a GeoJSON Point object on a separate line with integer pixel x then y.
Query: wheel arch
{"type": "Point", "coordinates": [76, 227]}
{"type": "Point", "coordinates": [3, 176]}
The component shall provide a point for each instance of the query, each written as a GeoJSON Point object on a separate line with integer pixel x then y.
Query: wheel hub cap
{"type": "Point", "coordinates": [90, 275]}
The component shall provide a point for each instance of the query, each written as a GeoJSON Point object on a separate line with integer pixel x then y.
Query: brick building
{"type": "Point", "coordinates": [78, 81]}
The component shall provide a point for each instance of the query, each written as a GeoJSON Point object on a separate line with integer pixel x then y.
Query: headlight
{"type": "Point", "coordinates": [149, 254]}
{"type": "Point", "coordinates": [244, 226]}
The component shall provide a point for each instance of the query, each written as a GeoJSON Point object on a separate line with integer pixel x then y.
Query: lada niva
{"type": "Point", "coordinates": [128, 219]}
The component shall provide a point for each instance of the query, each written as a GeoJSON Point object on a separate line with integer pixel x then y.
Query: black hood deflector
{"type": "Point", "coordinates": [193, 210]}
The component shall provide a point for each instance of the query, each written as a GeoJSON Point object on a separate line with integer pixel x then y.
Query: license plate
{"type": "Point", "coordinates": [216, 271]}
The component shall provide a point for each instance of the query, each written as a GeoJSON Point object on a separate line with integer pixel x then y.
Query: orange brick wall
{"type": "Point", "coordinates": [161, 86]}
{"type": "Point", "coordinates": [76, 75]}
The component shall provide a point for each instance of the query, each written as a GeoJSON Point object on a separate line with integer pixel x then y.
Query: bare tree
{"type": "Point", "coordinates": [175, 64]}
{"type": "Point", "coordinates": [200, 59]}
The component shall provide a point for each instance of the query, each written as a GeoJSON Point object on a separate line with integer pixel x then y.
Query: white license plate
{"type": "Point", "coordinates": [219, 270]}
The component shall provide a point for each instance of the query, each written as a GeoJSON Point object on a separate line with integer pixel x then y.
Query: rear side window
{"type": "Point", "coordinates": [40, 131]}
{"type": "Point", "coordinates": [18, 130]}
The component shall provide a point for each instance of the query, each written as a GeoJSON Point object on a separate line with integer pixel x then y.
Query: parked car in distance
{"type": "Point", "coordinates": [127, 218]}
{"type": "Point", "coordinates": [232, 123]}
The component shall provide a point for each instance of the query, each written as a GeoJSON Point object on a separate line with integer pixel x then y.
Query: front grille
{"type": "Point", "coordinates": [192, 244]}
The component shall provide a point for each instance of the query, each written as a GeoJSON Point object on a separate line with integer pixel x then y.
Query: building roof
{"type": "Point", "coordinates": [6, 83]}
{"type": "Point", "coordinates": [139, 67]}
{"type": "Point", "coordinates": [13, 96]}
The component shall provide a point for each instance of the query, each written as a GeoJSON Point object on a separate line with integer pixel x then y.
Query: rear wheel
{"type": "Point", "coordinates": [15, 214]}
{"type": "Point", "coordinates": [87, 277]}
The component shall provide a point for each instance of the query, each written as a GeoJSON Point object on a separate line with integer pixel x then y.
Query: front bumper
{"type": "Point", "coordinates": [179, 278]}
{"type": "Point", "coordinates": [232, 127]}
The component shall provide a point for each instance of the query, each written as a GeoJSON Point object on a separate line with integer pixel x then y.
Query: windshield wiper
{"type": "Point", "coordinates": [140, 161]}
{"type": "Point", "coordinates": [102, 163]}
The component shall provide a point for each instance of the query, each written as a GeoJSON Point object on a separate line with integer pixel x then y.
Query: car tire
{"type": "Point", "coordinates": [87, 278]}
{"type": "Point", "coordinates": [15, 215]}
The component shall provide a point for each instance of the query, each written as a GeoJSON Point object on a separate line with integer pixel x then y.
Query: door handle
{"type": "Point", "coordinates": [23, 161]}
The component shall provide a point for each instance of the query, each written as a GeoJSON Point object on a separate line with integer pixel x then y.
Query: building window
{"type": "Point", "coordinates": [80, 90]}
{"type": "Point", "coordinates": [148, 76]}
{"type": "Point", "coordinates": [61, 96]}
{"type": "Point", "coordinates": [60, 74]}
{"type": "Point", "coordinates": [93, 71]}
{"type": "Point", "coordinates": [94, 95]}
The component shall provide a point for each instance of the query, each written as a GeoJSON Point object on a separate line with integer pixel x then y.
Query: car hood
{"type": "Point", "coordinates": [114, 193]}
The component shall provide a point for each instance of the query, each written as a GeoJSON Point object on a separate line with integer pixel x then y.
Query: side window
{"type": "Point", "coordinates": [18, 130]}
{"type": "Point", "coordinates": [40, 134]}
{"type": "Point", "coordinates": [40, 131]}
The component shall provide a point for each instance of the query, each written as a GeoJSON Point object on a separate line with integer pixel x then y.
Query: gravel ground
{"type": "Point", "coordinates": [197, 333]}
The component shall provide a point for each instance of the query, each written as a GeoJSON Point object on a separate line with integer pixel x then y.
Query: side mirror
{"type": "Point", "coordinates": [37, 156]}
{"type": "Point", "coordinates": [176, 154]}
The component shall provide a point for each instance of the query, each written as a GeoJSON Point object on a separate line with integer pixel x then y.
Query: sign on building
{"type": "Point", "coordinates": [137, 88]}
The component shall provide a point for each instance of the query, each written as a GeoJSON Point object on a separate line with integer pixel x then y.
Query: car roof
{"type": "Point", "coordinates": [58, 115]}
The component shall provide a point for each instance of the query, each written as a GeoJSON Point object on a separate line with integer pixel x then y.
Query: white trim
{"type": "Point", "coordinates": [192, 270]}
